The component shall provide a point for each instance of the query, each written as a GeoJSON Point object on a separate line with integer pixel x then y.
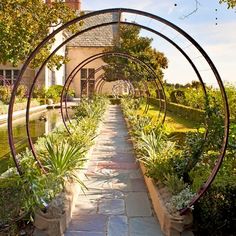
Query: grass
{"type": "Point", "coordinates": [173, 122]}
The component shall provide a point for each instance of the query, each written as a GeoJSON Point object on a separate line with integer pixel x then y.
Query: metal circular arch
{"type": "Point", "coordinates": [99, 55]}
{"type": "Point", "coordinates": [93, 74]}
{"type": "Point", "coordinates": [171, 25]}
{"type": "Point", "coordinates": [45, 62]}
{"type": "Point", "coordinates": [70, 38]}
{"type": "Point", "coordinates": [70, 78]}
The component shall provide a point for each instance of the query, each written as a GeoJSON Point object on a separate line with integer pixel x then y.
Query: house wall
{"type": "Point", "coordinates": [76, 55]}
{"type": "Point", "coordinates": [28, 75]}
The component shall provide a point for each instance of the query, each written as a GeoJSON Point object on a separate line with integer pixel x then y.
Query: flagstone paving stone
{"type": "Point", "coordinates": [116, 202]}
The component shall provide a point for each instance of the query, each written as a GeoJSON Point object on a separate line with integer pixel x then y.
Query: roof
{"type": "Point", "coordinates": [99, 37]}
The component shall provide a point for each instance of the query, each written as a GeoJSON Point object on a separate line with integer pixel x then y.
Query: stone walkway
{"type": "Point", "coordinates": [117, 202]}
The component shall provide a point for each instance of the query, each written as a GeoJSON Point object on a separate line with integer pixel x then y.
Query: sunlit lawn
{"type": "Point", "coordinates": [173, 122]}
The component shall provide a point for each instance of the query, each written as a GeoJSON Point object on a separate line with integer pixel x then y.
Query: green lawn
{"type": "Point", "coordinates": [173, 122]}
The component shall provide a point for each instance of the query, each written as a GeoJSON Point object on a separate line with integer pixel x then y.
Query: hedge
{"type": "Point", "coordinates": [181, 110]}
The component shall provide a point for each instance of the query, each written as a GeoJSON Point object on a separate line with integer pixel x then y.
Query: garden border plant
{"type": "Point", "coordinates": [183, 170]}
{"type": "Point", "coordinates": [63, 160]}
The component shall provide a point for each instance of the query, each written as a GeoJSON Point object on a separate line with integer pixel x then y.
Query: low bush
{"type": "Point", "coordinates": [5, 94]}
{"type": "Point", "coordinates": [62, 155]}
{"type": "Point", "coordinates": [185, 167]}
{"type": "Point", "coordinates": [18, 106]}
{"type": "Point", "coordinates": [182, 110]}
{"type": "Point", "coordinates": [21, 93]}
{"type": "Point", "coordinates": [54, 93]}
{"type": "Point", "coordinates": [215, 213]}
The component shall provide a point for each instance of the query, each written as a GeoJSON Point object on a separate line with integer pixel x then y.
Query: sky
{"type": "Point", "coordinates": [212, 26]}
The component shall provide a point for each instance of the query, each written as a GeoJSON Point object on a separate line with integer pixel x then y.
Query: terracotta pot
{"type": "Point", "coordinates": [51, 226]}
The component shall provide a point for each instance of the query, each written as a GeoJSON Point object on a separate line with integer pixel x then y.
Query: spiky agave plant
{"type": "Point", "coordinates": [156, 153]}
{"type": "Point", "coordinates": [63, 159]}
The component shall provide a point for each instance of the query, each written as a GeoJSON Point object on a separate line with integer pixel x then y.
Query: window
{"type": "Point", "coordinates": [91, 87]}
{"type": "Point", "coordinates": [15, 75]}
{"type": "Point", "coordinates": [83, 88]}
{"type": "Point", "coordinates": [85, 74]}
{"type": "Point", "coordinates": [91, 73]}
{"type": "Point", "coordinates": [8, 77]}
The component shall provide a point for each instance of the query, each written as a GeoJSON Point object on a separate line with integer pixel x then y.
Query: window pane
{"type": "Point", "coordinates": [15, 74]}
{"type": "Point", "coordinates": [91, 73]}
{"type": "Point", "coordinates": [91, 87]}
{"type": "Point", "coordinates": [8, 74]}
{"type": "Point", "coordinates": [83, 73]}
{"type": "Point", "coordinates": [83, 88]}
{"type": "Point", "coordinates": [1, 72]}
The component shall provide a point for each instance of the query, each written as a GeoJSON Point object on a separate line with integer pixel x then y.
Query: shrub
{"type": "Point", "coordinates": [215, 213]}
{"type": "Point", "coordinates": [182, 110]}
{"type": "Point", "coordinates": [178, 96]}
{"type": "Point", "coordinates": [54, 92]}
{"type": "Point", "coordinates": [39, 92]}
{"type": "Point", "coordinates": [180, 200]}
{"type": "Point", "coordinates": [5, 94]}
{"type": "Point", "coordinates": [11, 199]}
{"type": "Point", "coordinates": [21, 93]}
{"type": "Point", "coordinates": [63, 159]}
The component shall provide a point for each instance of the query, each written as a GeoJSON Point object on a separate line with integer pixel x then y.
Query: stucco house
{"type": "Point", "coordinates": [88, 44]}
{"type": "Point", "coordinates": [77, 50]}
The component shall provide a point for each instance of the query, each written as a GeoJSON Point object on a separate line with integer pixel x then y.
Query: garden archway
{"type": "Point", "coordinates": [149, 16]}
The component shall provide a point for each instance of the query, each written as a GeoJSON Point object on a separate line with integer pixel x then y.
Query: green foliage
{"type": "Point", "coordinates": [21, 93]}
{"type": "Point", "coordinates": [63, 159]}
{"type": "Point", "coordinates": [62, 155]}
{"type": "Point", "coordinates": [181, 200]}
{"type": "Point", "coordinates": [156, 153]}
{"type": "Point", "coordinates": [18, 106]}
{"type": "Point", "coordinates": [5, 93]}
{"type": "Point", "coordinates": [177, 96]}
{"type": "Point", "coordinates": [54, 92]}
{"type": "Point", "coordinates": [189, 155]}
{"type": "Point", "coordinates": [39, 92]}
{"type": "Point", "coordinates": [24, 24]}
{"type": "Point", "coordinates": [10, 190]}
{"type": "Point", "coordinates": [230, 3]}
{"type": "Point", "coordinates": [216, 212]}
{"type": "Point", "coordinates": [186, 112]}
{"type": "Point", "coordinates": [91, 108]}
{"type": "Point", "coordinates": [130, 42]}
{"type": "Point", "coordinates": [174, 184]}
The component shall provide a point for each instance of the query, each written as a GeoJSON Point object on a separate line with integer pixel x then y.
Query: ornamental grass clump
{"type": "Point", "coordinates": [63, 159]}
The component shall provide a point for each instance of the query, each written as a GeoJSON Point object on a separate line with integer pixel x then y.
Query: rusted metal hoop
{"type": "Point", "coordinates": [100, 55]}
{"type": "Point", "coordinates": [171, 25]}
{"type": "Point", "coordinates": [67, 40]}
{"type": "Point", "coordinates": [73, 73]}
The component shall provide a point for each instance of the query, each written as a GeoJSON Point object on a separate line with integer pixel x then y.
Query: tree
{"type": "Point", "coordinates": [24, 24]}
{"type": "Point", "coordinates": [132, 43]}
{"type": "Point", "coordinates": [230, 3]}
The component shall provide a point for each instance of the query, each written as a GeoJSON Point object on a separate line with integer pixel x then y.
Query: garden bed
{"type": "Point", "coordinates": [171, 225]}
{"type": "Point", "coordinates": [57, 217]}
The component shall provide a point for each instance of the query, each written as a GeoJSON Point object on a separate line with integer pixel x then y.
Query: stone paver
{"type": "Point", "coordinates": [89, 222]}
{"type": "Point", "coordinates": [118, 225]}
{"type": "Point", "coordinates": [111, 207]}
{"type": "Point", "coordinates": [117, 202]}
{"type": "Point", "coordinates": [138, 204]}
{"type": "Point", "coordinates": [141, 226]}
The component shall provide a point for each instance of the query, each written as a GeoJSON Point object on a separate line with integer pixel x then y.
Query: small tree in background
{"type": "Point", "coordinates": [24, 24]}
{"type": "Point", "coordinates": [132, 43]}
